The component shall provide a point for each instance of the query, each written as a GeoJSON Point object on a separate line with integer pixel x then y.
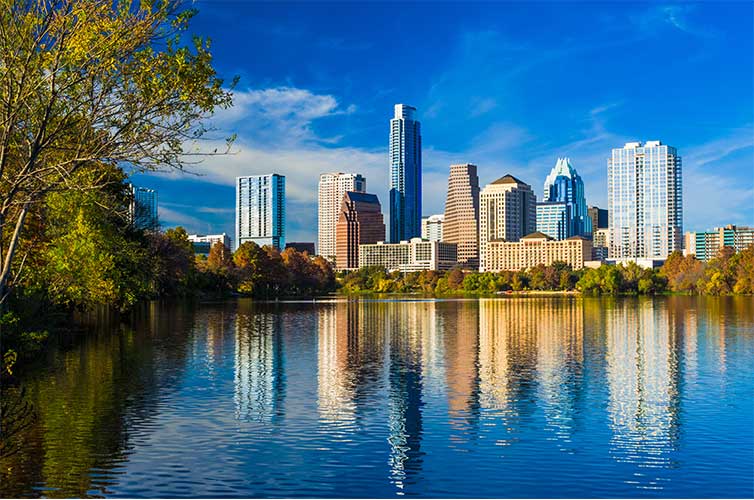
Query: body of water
{"type": "Point", "coordinates": [513, 397]}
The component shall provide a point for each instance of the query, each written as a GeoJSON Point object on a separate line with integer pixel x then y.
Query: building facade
{"type": "Point", "coordinates": [564, 185]}
{"type": "Point", "coordinates": [432, 227]}
{"type": "Point", "coordinates": [203, 243]}
{"type": "Point", "coordinates": [359, 222]}
{"type": "Point", "coordinates": [507, 211]}
{"type": "Point", "coordinates": [143, 208]}
{"type": "Point", "coordinates": [598, 216]}
{"type": "Point", "coordinates": [405, 175]}
{"type": "Point", "coordinates": [408, 256]}
{"type": "Point", "coordinates": [601, 244]}
{"type": "Point", "coordinates": [260, 210]}
{"type": "Point", "coordinates": [537, 248]}
{"type": "Point", "coordinates": [706, 244]}
{"type": "Point", "coordinates": [554, 218]}
{"type": "Point", "coordinates": [332, 187]}
{"type": "Point", "coordinates": [461, 224]}
{"type": "Point", "coordinates": [645, 201]}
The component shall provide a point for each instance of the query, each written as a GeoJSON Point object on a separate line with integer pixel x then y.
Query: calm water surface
{"type": "Point", "coordinates": [562, 397]}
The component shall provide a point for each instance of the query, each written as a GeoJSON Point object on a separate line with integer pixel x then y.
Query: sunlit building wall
{"type": "Point", "coordinates": [645, 201]}
{"type": "Point", "coordinates": [260, 210]}
{"type": "Point", "coordinates": [332, 187]}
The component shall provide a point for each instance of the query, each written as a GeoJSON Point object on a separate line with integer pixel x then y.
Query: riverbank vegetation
{"type": "Point", "coordinates": [728, 273]}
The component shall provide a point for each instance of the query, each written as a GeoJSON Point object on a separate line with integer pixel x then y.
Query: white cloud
{"type": "Point", "coordinates": [169, 217]}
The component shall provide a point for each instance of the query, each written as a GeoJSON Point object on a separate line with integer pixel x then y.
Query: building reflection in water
{"type": "Point", "coordinates": [459, 323]}
{"type": "Point", "coordinates": [507, 363]}
{"type": "Point", "coordinates": [560, 362]}
{"type": "Point", "coordinates": [642, 377]}
{"type": "Point", "coordinates": [405, 323]}
{"type": "Point", "coordinates": [260, 366]}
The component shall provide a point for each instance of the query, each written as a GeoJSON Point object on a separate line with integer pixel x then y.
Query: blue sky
{"type": "Point", "coordinates": [507, 86]}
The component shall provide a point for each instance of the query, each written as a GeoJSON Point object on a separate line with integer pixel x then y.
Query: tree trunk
{"type": "Point", "coordinates": [11, 250]}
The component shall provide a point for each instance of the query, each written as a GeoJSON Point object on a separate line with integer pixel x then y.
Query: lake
{"type": "Point", "coordinates": [509, 397]}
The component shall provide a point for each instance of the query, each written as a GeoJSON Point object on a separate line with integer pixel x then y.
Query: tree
{"type": "Point", "coordinates": [455, 278]}
{"type": "Point", "coordinates": [173, 267]}
{"type": "Point", "coordinates": [745, 271]}
{"type": "Point", "coordinates": [220, 258]}
{"type": "Point", "coordinates": [85, 83]}
{"type": "Point", "coordinates": [86, 253]}
{"type": "Point", "coordinates": [251, 264]}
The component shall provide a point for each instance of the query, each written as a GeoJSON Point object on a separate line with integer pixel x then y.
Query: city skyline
{"type": "Point", "coordinates": [290, 120]}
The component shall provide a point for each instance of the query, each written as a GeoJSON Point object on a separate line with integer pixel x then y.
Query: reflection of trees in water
{"type": "Point", "coordinates": [92, 399]}
{"type": "Point", "coordinates": [16, 416]}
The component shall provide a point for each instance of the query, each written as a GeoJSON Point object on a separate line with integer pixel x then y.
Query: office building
{"type": "Point", "coordinates": [706, 244]}
{"type": "Point", "coordinates": [461, 225]}
{"type": "Point", "coordinates": [405, 175]}
{"type": "Point", "coordinates": [143, 208]}
{"type": "Point", "coordinates": [537, 248]}
{"type": "Point", "coordinates": [598, 216]}
{"type": "Point", "coordinates": [644, 197]}
{"type": "Point", "coordinates": [432, 227]}
{"type": "Point", "coordinates": [260, 210]}
{"type": "Point", "coordinates": [332, 187]}
{"type": "Point", "coordinates": [601, 244]}
{"type": "Point", "coordinates": [564, 185]}
{"type": "Point", "coordinates": [409, 256]}
{"type": "Point", "coordinates": [203, 243]}
{"type": "Point", "coordinates": [359, 222]}
{"type": "Point", "coordinates": [507, 211]}
{"type": "Point", "coordinates": [554, 218]}
{"type": "Point", "coordinates": [302, 246]}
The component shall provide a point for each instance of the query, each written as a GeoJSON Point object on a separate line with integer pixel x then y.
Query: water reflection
{"type": "Point", "coordinates": [642, 375]}
{"type": "Point", "coordinates": [406, 393]}
{"type": "Point", "coordinates": [259, 367]}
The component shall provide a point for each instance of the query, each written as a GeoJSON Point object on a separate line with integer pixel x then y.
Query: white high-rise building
{"type": "Point", "coordinates": [432, 227]}
{"type": "Point", "coordinates": [507, 211]}
{"type": "Point", "coordinates": [332, 187]}
{"type": "Point", "coordinates": [260, 210]}
{"type": "Point", "coordinates": [645, 204]}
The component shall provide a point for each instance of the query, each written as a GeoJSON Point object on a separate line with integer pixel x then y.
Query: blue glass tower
{"type": "Point", "coordinates": [564, 186]}
{"type": "Point", "coordinates": [405, 175]}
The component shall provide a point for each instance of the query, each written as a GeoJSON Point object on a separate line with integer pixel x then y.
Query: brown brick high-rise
{"type": "Point", "coordinates": [359, 222]}
{"type": "Point", "coordinates": [461, 225]}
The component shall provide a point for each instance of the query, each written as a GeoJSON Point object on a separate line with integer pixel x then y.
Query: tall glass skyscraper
{"type": "Point", "coordinates": [405, 175]}
{"type": "Point", "coordinates": [260, 210]}
{"type": "Point", "coordinates": [563, 212]}
{"type": "Point", "coordinates": [143, 208]}
{"type": "Point", "coordinates": [644, 198]}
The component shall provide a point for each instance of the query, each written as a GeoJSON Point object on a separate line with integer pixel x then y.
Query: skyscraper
{"type": "Point", "coordinates": [553, 219]}
{"type": "Point", "coordinates": [644, 197]}
{"type": "Point", "coordinates": [405, 175]}
{"type": "Point", "coordinates": [143, 208]}
{"type": "Point", "coordinates": [359, 222]}
{"type": "Point", "coordinates": [461, 224]}
{"type": "Point", "coordinates": [260, 210]}
{"type": "Point", "coordinates": [564, 185]}
{"type": "Point", "coordinates": [599, 218]}
{"type": "Point", "coordinates": [432, 227]}
{"type": "Point", "coordinates": [332, 187]}
{"type": "Point", "coordinates": [507, 211]}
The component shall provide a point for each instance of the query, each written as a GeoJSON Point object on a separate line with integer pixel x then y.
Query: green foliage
{"type": "Point", "coordinates": [84, 252]}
